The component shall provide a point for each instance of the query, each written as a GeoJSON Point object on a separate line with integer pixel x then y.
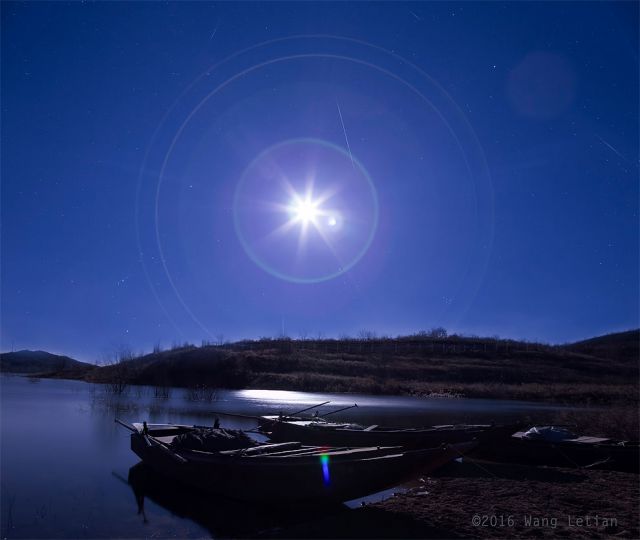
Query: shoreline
{"type": "Point", "coordinates": [477, 499]}
{"type": "Point", "coordinates": [617, 419]}
{"type": "Point", "coordinates": [517, 393]}
{"type": "Point", "coordinates": [554, 395]}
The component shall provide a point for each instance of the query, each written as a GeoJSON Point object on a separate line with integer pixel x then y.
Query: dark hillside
{"type": "Point", "coordinates": [190, 366]}
{"type": "Point", "coordinates": [620, 346]}
{"type": "Point", "coordinates": [42, 362]}
{"type": "Point", "coordinates": [416, 365]}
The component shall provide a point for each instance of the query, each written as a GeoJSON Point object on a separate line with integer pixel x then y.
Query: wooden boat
{"type": "Point", "coordinates": [560, 448]}
{"type": "Point", "coordinates": [284, 472]}
{"type": "Point", "coordinates": [319, 431]}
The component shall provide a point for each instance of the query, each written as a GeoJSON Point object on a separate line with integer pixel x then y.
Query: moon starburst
{"type": "Point", "coordinates": [304, 210]}
{"type": "Point", "coordinates": [303, 213]}
{"type": "Point", "coordinates": [308, 211]}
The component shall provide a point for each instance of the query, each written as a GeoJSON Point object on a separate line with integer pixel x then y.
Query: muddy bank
{"type": "Point", "coordinates": [481, 499]}
{"type": "Point", "coordinates": [487, 500]}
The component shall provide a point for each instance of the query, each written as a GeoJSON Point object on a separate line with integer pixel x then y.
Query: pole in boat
{"type": "Point", "coordinates": [339, 410]}
{"type": "Point", "coordinates": [222, 413]}
{"type": "Point", "coordinates": [309, 408]}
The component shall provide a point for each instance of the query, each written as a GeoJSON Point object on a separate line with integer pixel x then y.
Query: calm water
{"type": "Point", "coordinates": [67, 470]}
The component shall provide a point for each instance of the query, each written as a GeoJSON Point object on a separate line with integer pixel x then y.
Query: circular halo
{"type": "Point", "coordinates": [154, 264]}
{"type": "Point", "coordinates": [331, 218]}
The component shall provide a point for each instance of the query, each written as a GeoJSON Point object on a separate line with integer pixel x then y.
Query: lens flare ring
{"type": "Point", "coordinates": [326, 476]}
{"type": "Point", "coordinates": [473, 154]}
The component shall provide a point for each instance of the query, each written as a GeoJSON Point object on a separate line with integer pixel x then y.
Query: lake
{"type": "Point", "coordinates": [67, 470]}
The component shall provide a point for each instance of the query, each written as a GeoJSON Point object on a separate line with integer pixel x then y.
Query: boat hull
{"type": "Point", "coordinates": [517, 449]}
{"type": "Point", "coordinates": [337, 477]}
{"type": "Point", "coordinates": [308, 433]}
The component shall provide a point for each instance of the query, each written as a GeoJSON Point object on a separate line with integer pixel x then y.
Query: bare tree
{"type": "Point", "coordinates": [438, 332]}
{"type": "Point", "coordinates": [366, 335]}
{"type": "Point", "coordinates": [120, 369]}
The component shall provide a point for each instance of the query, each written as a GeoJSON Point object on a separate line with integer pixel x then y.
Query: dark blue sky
{"type": "Point", "coordinates": [462, 164]}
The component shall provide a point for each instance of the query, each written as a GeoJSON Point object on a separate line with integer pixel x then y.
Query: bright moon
{"type": "Point", "coordinates": [305, 211]}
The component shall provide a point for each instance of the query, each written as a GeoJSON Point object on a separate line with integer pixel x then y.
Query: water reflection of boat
{"type": "Point", "coordinates": [221, 516]}
{"type": "Point", "coordinates": [282, 472]}
{"type": "Point", "coordinates": [319, 431]}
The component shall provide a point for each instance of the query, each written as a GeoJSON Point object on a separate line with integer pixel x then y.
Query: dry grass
{"type": "Point", "coordinates": [616, 422]}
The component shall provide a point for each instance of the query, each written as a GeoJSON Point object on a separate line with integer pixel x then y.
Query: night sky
{"type": "Point", "coordinates": [179, 172]}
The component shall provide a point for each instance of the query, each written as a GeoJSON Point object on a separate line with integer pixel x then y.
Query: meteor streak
{"type": "Point", "coordinates": [610, 147]}
{"type": "Point", "coordinates": [345, 135]}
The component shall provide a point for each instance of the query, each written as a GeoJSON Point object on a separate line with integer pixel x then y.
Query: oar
{"type": "Point", "coordinates": [120, 477]}
{"type": "Point", "coordinates": [309, 408]}
{"type": "Point", "coordinates": [339, 410]}
{"type": "Point", "coordinates": [150, 441]}
{"type": "Point", "coordinates": [236, 415]}
{"type": "Point", "coordinates": [128, 426]}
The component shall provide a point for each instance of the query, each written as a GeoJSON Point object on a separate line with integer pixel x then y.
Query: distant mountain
{"type": "Point", "coordinates": [41, 362]}
{"type": "Point", "coordinates": [621, 346]}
